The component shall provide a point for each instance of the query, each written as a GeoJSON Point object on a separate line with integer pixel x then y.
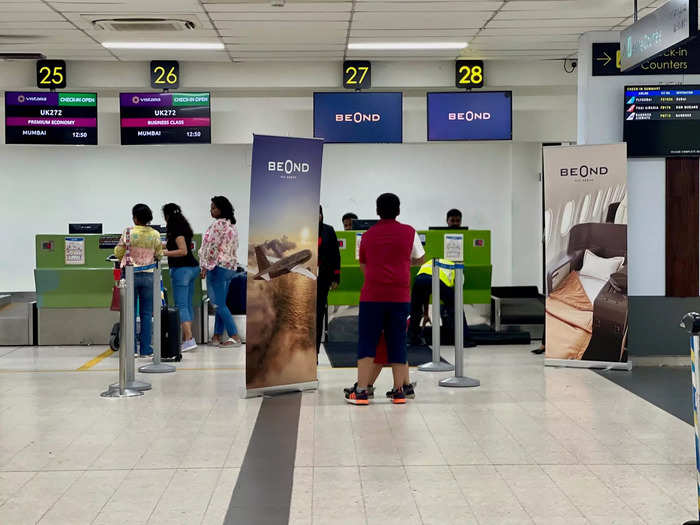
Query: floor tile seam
{"type": "Point", "coordinates": [514, 493]}
{"type": "Point", "coordinates": [577, 507]}
{"type": "Point", "coordinates": [21, 487]}
{"type": "Point", "coordinates": [359, 472]}
{"type": "Point", "coordinates": [194, 439]}
{"type": "Point", "coordinates": [116, 488]}
{"type": "Point", "coordinates": [660, 487]}
{"type": "Point", "coordinates": [527, 455]}
{"type": "Point", "coordinates": [611, 488]}
{"type": "Point", "coordinates": [65, 491]}
{"type": "Point", "coordinates": [10, 351]}
{"type": "Point", "coordinates": [521, 445]}
{"type": "Point", "coordinates": [211, 496]}
{"type": "Point", "coordinates": [160, 498]}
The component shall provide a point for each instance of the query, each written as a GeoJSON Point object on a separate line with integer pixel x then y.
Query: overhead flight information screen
{"type": "Point", "coordinates": [662, 121]}
{"type": "Point", "coordinates": [165, 118]}
{"type": "Point", "coordinates": [50, 118]}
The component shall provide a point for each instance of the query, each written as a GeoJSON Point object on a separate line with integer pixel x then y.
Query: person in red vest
{"type": "Point", "coordinates": [387, 251]}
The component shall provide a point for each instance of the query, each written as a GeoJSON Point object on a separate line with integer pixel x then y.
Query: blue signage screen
{"type": "Point", "coordinates": [358, 117]}
{"type": "Point", "coordinates": [483, 115]}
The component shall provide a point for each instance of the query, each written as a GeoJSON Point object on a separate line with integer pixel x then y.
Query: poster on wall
{"type": "Point", "coordinates": [285, 192]}
{"type": "Point", "coordinates": [585, 234]}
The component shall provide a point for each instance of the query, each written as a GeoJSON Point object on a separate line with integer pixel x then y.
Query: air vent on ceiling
{"type": "Point", "coordinates": [22, 56]}
{"type": "Point", "coordinates": [143, 24]}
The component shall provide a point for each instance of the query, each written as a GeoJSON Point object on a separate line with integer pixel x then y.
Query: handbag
{"type": "Point", "coordinates": [115, 306]}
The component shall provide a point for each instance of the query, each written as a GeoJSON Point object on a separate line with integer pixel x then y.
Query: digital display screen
{"type": "Point", "coordinates": [483, 115]}
{"type": "Point", "coordinates": [358, 117]}
{"type": "Point", "coordinates": [165, 118]}
{"type": "Point", "coordinates": [50, 118]}
{"type": "Point", "coordinates": [662, 121]}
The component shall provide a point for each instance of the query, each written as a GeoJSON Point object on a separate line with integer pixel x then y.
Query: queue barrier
{"type": "Point", "coordinates": [691, 322]}
{"type": "Point", "coordinates": [128, 386]}
{"type": "Point", "coordinates": [436, 365]}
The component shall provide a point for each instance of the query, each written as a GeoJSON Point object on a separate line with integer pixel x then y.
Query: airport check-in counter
{"type": "Point", "coordinates": [477, 264]}
{"type": "Point", "coordinates": [74, 283]}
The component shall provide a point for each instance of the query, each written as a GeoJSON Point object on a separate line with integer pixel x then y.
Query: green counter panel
{"type": "Point", "coordinates": [477, 262]}
{"type": "Point", "coordinates": [82, 286]}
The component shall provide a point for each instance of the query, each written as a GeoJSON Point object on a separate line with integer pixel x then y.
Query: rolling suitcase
{"type": "Point", "coordinates": [170, 335]}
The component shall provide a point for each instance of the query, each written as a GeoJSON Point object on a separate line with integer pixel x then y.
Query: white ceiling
{"type": "Point", "coordinates": [314, 29]}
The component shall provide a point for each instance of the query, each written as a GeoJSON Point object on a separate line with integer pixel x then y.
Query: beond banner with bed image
{"type": "Point", "coordinates": [285, 192]}
{"type": "Point", "coordinates": [585, 234]}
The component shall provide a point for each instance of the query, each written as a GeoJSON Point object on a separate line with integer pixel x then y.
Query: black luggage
{"type": "Point", "coordinates": [170, 335]}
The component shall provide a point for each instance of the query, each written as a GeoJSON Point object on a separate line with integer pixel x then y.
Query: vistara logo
{"type": "Point", "coordinates": [288, 167]}
{"type": "Point", "coordinates": [469, 116]}
{"type": "Point", "coordinates": [583, 171]}
{"type": "Point", "coordinates": [135, 99]}
{"type": "Point", "coordinates": [21, 99]}
{"type": "Point", "coordinates": [357, 117]}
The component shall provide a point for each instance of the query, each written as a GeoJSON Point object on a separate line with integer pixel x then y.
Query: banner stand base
{"type": "Point", "coordinates": [598, 365]}
{"type": "Point", "coordinates": [280, 389]}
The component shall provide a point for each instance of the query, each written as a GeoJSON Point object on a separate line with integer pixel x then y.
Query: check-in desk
{"type": "Point", "coordinates": [74, 283]}
{"type": "Point", "coordinates": [477, 264]}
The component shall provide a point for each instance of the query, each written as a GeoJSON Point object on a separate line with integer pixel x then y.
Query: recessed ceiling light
{"type": "Point", "coordinates": [407, 45]}
{"type": "Point", "coordinates": [163, 45]}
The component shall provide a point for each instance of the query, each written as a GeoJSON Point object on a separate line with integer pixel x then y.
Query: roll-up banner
{"type": "Point", "coordinates": [285, 192]}
{"type": "Point", "coordinates": [585, 234]}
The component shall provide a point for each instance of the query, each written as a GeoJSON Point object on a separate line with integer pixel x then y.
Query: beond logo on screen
{"type": "Point", "coordinates": [584, 172]}
{"type": "Point", "coordinates": [357, 117]}
{"type": "Point", "coordinates": [288, 169]}
{"type": "Point", "coordinates": [469, 116]}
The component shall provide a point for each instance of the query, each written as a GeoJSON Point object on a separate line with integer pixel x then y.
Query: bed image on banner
{"type": "Point", "coordinates": [585, 234]}
{"type": "Point", "coordinates": [285, 192]}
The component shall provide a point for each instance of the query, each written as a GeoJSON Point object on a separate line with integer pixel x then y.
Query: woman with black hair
{"type": "Point", "coordinates": [217, 259]}
{"type": "Point", "coordinates": [184, 269]}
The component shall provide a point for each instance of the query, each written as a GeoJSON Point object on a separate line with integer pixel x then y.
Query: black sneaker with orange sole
{"type": "Point", "coordinates": [408, 390]}
{"type": "Point", "coordinates": [398, 397]}
{"type": "Point", "coordinates": [357, 398]}
{"type": "Point", "coordinates": [370, 390]}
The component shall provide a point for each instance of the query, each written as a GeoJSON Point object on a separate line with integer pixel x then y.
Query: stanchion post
{"type": "Point", "coordinates": [691, 322]}
{"type": "Point", "coordinates": [156, 367]}
{"type": "Point", "coordinates": [128, 323]}
{"type": "Point", "coordinates": [459, 379]}
{"type": "Point", "coordinates": [436, 365]}
{"type": "Point", "coordinates": [126, 344]}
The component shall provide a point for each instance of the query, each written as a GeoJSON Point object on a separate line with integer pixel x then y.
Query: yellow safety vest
{"type": "Point", "coordinates": [446, 276]}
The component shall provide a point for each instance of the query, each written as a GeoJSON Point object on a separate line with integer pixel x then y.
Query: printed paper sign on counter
{"type": "Point", "coordinates": [285, 192]}
{"type": "Point", "coordinates": [454, 246]}
{"type": "Point", "coordinates": [75, 250]}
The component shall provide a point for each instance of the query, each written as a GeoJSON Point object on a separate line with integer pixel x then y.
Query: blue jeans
{"type": "Point", "coordinates": [218, 281]}
{"type": "Point", "coordinates": [143, 297]}
{"type": "Point", "coordinates": [183, 279]}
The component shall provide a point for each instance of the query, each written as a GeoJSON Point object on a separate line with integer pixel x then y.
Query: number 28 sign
{"type": "Point", "coordinates": [469, 74]}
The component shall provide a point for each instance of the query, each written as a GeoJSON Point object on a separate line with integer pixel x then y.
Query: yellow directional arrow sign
{"type": "Point", "coordinates": [607, 58]}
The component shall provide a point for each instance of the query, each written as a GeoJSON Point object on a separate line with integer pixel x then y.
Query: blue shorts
{"type": "Point", "coordinates": [389, 318]}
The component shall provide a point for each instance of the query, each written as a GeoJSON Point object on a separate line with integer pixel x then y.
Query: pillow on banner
{"type": "Point", "coordinates": [599, 267]}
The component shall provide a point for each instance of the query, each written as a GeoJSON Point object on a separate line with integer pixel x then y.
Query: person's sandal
{"type": "Point", "coordinates": [215, 340]}
{"type": "Point", "coordinates": [230, 343]}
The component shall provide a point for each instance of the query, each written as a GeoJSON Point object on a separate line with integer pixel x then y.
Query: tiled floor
{"type": "Point", "coordinates": [531, 445]}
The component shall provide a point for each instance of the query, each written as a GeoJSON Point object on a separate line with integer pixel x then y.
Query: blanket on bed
{"type": "Point", "coordinates": [569, 320]}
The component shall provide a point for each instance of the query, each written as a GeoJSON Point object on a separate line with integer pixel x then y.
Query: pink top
{"type": "Point", "coordinates": [219, 246]}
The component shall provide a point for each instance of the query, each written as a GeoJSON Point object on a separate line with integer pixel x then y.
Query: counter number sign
{"type": "Point", "coordinates": [469, 74]}
{"type": "Point", "coordinates": [357, 74]}
{"type": "Point", "coordinates": [165, 74]}
{"type": "Point", "coordinates": [51, 74]}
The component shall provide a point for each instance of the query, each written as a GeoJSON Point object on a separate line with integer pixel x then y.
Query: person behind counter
{"type": "Point", "coordinates": [217, 258]}
{"type": "Point", "coordinates": [184, 269]}
{"type": "Point", "coordinates": [347, 220]}
{"type": "Point", "coordinates": [328, 272]}
{"type": "Point", "coordinates": [141, 246]}
{"type": "Point", "coordinates": [454, 218]}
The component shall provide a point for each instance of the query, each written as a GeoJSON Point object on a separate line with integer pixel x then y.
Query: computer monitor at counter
{"type": "Point", "coordinates": [84, 227]}
{"type": "Point", "coordinates": [363, 224]}
{"type": "Point", "coordinates": [447, 228]}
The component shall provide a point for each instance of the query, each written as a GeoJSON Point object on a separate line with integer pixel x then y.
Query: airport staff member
{"type": "Point", "coordinates": [387, 251]}
{"type": "Point", "coordinates": [328, 271]}
{"type": "Point", "coordinates": [347, 220]}
{"type": "Point", "coordinates": [454, 218]}
{"type": "Point", "coordinates": [420, 299]}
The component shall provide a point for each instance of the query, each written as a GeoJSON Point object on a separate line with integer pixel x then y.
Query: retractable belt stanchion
{"type": "Point", "coordinates": [156, 367]}
{"type": "Point", "coordinates": [126, 345]}
{"type": "Point", "coordinates": [128, 322]}
{"type": "Point", "coordinates": [436, 365]}
{"type": "Point", "coordinates": [459, 379]}
{"type": "Point", "coordinates": [691, 322]}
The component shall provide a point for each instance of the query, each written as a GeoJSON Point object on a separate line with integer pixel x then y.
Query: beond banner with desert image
{"type": "Point", "coordinates": [585, 233]}
{"type": "Point", "coordinates": [285, 192]}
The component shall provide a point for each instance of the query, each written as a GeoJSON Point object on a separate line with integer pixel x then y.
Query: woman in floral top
{"type": "Point", "coordinates": [217, 258]}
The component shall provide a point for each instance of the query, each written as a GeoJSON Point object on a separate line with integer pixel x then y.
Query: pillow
{"type": "Point", "coordinates": [599, 267]}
